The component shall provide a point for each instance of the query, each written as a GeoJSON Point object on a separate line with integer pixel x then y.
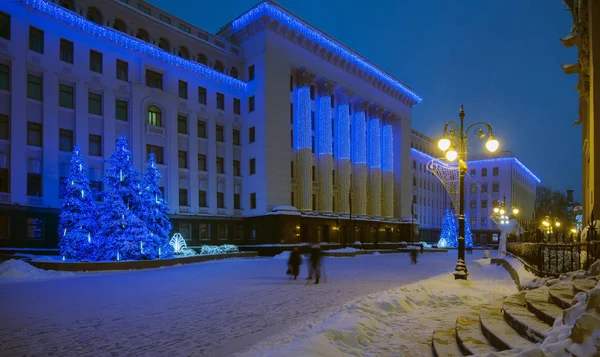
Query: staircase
{"type": "Point", "coordinates": [518, 321]}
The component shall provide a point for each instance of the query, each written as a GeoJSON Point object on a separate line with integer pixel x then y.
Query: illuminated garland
{"type": "Point", "coordinates": [325, 142]}
{"type": "Point", "coordinates": [374, 147]}
{"type": "Point", "coordinates": [302, 119]}
{"type": "Point", "coordinates": [342, 132]}
{"type": "Point", "coordinates": [387, 152]}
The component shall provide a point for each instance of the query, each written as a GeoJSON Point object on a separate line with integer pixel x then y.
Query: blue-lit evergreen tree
{"type": "Point", "coordinates": [449, 235]}
{"type": "Point", "coordinates": [468, 234]}
{"type": "Point", "coordinates": [77, 223]}
{"type": "Point", "coordinates": [154, 213]}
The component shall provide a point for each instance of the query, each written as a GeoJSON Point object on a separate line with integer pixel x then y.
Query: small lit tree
{"type": "Point", "coordinates": [449, 235]}
{"type": "Point", "coordinates": [468, 234]}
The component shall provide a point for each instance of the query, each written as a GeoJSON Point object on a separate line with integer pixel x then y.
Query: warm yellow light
{"type": "Point", "coordinates": [444, 144]}
{"type": "Point", "coordinates": [492, 144]}
{"type": "Point", "coordinates": [496, 209]}
{"type": "Point", "coordinates": [557, 224]}
{"type": "Point", "coordinates": [502, 211]}
{"type": "Point", "coordinates": [515, 211]}
{"type": "Point", "coordinates": [545, 223]}
{"type": "Point", "coordinates": [451, 155]}
{"type": "Point", "coordinates": [573, 230]}
{"type": "Point", "coordinates": [297, 227]}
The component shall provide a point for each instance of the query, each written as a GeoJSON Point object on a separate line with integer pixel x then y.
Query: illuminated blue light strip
{"type": "Point", "coordinates": [359, 138]}
{"type": "Point", "coordinates": [374, 143]}
{"type": "Point", "coordinates": [302, 119]}
{"type": "Point", "coordinates": [130, 43]}
{"type": "Point", "coordinates": [422, 154]}
{"type": "Point", "coordinates": [325, 142]}
{"type": "Point", "coordinates": [299, 26]}
{"type": "Point", "coordinates": [342, 132]}
{"type": "Point", "coordinates": [387, 150]}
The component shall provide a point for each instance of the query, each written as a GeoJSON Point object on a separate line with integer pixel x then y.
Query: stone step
{"type": "Point", "coordinates": [499, 334]}
{"type": "Point", "coordinates": [584, 285]}
{"type": "Point", "coordinates": [444, 344]}
{"type": "Point", "coordinates": [562, 294]}
{"type": "Point", "coordinates": [538, 302]}
{"type": "Point", "coordinates": [523, 320]}
{"type": "Point", "coordinates": [469, 337]}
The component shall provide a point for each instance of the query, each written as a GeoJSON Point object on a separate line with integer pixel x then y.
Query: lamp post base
{"type": "Point", "coordinates": [461, 270]}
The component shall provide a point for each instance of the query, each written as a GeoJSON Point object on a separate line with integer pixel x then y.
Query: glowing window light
{"type": "Point", "coordinates": [359, 138]}
{"type": "Point", "coordinates": [325, 141]}
{"type": "Point", "coordinates": [387, 150]}
{"type": "Point", "coordinates": [130, 43]}
{"type": "Point", "coordinates": [374, 143]}
{"type": "Point", "coordinates": [309, 32]}
{"type": "Point", "coordinates": [342, 132]}
{"type": "Point", "coordinates": [302, 119]}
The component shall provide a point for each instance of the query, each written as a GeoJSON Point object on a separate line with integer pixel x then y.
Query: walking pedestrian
{"type": "Point", "coordinates": [422, 248]}
{"type": "Point", "coordinates": [294, 263]}
{"type": "Point", "coordinates": [413, 256]}
{"type": "Point", "coordinates": [315, 263]}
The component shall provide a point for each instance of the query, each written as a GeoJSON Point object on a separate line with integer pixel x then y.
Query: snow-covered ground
{"type": "Point", "coordinates": [245, 306]}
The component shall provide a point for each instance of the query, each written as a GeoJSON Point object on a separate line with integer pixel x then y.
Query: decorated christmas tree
{"type": "Point", "coordinates": [154, 213]}
{"type": "Point", "coordinates": [77, 218]}
{"type": "Point", "coordinates": [468, 234]}
{"type": "Point", "coordinates": [449, 235]}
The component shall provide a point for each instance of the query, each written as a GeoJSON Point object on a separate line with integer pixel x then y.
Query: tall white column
{"type": "Point", "coordinates": [302, 139]}
{"type": "Point", "coordinates": [325, 146]}
{"type": "Point", "coordinates": [359, 159]}
{"type": "Point", "coordinates": [374, 161]}
{"type": "Point", "coordinates": [387, 168]}
{"type": "Point", "coordinates": [342, 151]}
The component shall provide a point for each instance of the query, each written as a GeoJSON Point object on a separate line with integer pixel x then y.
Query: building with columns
{"type": "Point", "coordinates": [267, 132]}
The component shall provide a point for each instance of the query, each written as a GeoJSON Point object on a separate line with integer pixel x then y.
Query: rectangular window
{"type": "Point", "coordinates": [34, 134]}
{"type": "Point", "coordinates": [473, 204]}
{"type": "Point", "coordinates": [95, 145]}
{"type": "Point", "coordinates": [4, 25]}
{"type": "Point", "coordinates": [473, 172]}
{"type": "Point", "coordinates": [34, 87]}
{"type": "Point", "coordinates": [314, 174]}
{"type": "Point", "coordinates": [183, 197]}
{"type": "Point", "coordinates": [220, 165]}
{"type": "Point", "coordinates": [94, 103]}
{"type": "Point", "coordinates": [238, 231]}
{"type": "Point", "coordinates": [158, 152]}
{"type": "Point", "coordinates": [495, 187]}
{"type": "Point", "coordinates": [4, 127]}
{"type": "Point", "coordinates": [154, 79]}
{"type": "Point", "coordinates": [251, 73]}
{"type": "Point", "coordinates": [164, 18]}
{"type": "Point", "coordinates": [184, 27]}
{"type": "Point", "coordinates": [122, 70]}
{"type": "Point", "coordinates": [237, 106]}
{"type": "Point", "coordinates": [202, 198]}
{"type": "Point", "coordinates": [251, 134]}
{"type": "Point", "coordinates": [4, 77]}
{"type": "Point", "coordinates": [473, 188]}
{"type": "Point", "coordinates": [292, 169]}
{"type": "Point", "coordinates": [182, 127]}
{"type": "Point", "coordinates": [484, 204]}
{"type": "Point", "coordinates": [484, 187]}
{"type": "Point", "coordinates": [483, 172]}
{"type": "Point", "coordinates": [182, 159]}
{"type": "Point", "coordinates": [66, 51]}
{"type": "Point", "coordinates": [183, 89]}
{"type": "Point", "coordinates": [221, 101]}
{"type": "Point", "coordinates": [201, 162]}
{"type": "Point", "coordinates": [251, 103]}
{"type": "Point", "coordinates": [35, 228]}
{"type": "Point", "coordinates": [314, 202]}
{"type": "Point", "coordinates": [237, 201]}
{"type": "Point", "coordinates": [253, 200]}
{"type": "Point", "coordinates": [220, 200]}
{"type": "Point", "coordinates": [237, 168]}
{"type": "Point", "coordinates": [96, 188]}
{"type": "Point", "coordinates": [236, 137]}
{"type": "Point", "coordinates": [95, 61]}
{"type": "Point", "coordinates": [495, 171]}
{"type": "Point", "coordinates": [252, 166]}
{"type": "Point", "coordinates": [34, 185]}
{"type": "Point", "coordinates": [121, 110]}
{"type": "Point", "coordinates": [143, 8]}
{"type": "Point", "coordinates": [202, 129]}
{"type": "Point", "coordinates": [483, 221]}
{"type": "Point", "coordinates": [202, 95]}
{"type": "Point", "coordinates": [36, 39]}
{"type": "Point", "coordinates": [473, 221]}
{"type": "Point", "coordinates": [65, 96]}
{"type": "Point", "coordinates": [65, 140]}
{"type": "Point", "coordinates": [292, 198]}
{"type": "Point", "coordinates": [220, 134]}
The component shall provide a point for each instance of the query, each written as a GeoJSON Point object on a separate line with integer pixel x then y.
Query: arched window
{"type": "Point", "coordinates": [154, 116]}
{"type": "Point", "coordinates": [94, 15]}
{"type": "Point", "coordinates": [234, 72]}
{"type": "Point", "coordinates": [143, 35]}
{"type": "Point", "coordinates": [164, 45]}
{"type": "Point", "coordinates": [119, 25]}
{"type": "Point", "coordinates": [202, 59]}
{"type": "Point", "coordinates": [67, 4]}
{"type": "Point", "coordinates": [183, 52]}
{"type": "Point", "coordinates": [219, 67]}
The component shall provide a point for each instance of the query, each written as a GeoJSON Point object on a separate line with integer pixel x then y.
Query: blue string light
{"type": "Point", "coordinates": [359, 138]}
{"type": "Point", "coordinates": [127, 42]}
{"type": "Point", "coordinates": [324, 124]}
{"type": "Point", "coordinates": [302, 119]}
{"type": "Point", "coordinates": [374, 147]}
{"type": "Point", "coordinates": [387, 152]}
{"type": "Point", "coordinates": [266, 8]}
{"type": "Point", "coordinates": [342, 132]}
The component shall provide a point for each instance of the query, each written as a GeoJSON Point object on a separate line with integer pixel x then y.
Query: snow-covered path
{"type": "Point", "coordinates": [212, 309]}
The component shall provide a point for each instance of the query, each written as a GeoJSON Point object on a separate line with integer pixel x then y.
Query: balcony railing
{"type": "Point", "coordinates": [184, 209]}
{"type": "Point", "coordinates": [35, 201]}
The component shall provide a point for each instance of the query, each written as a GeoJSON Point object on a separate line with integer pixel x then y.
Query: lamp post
{"type": "Point", "coordinates": [454, 143]}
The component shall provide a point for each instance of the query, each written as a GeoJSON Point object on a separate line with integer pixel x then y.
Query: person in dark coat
{"type": "Point", "coordinates": [315, 263]}
{"type": "Point", "coordinates": [294, 262]}
{"type": "Point", "coordinates": [422, 247]}
{"type": "Point", "coordinates": [413, 256]}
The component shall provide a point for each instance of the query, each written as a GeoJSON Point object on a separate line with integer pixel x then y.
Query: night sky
{"type": "Point", "coordinates": [501, 59]}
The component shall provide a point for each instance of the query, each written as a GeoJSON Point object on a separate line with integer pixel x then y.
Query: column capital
{"type": "Point", "coordinates": [376, 111]}
{"type": "Point", "coordinates": [360, 105]}
{"type": "Point", "coordinates": [389, 118]}
{"type": "Point", "coordinates": [343, 95]}
{"type": "Point", "coordinates": [325, 87]}
{"type": "Point", "coordinates": [303, 78]}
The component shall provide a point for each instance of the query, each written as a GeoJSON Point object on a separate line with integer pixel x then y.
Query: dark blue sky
{"type": "Point", "coordinates": [501, 59]}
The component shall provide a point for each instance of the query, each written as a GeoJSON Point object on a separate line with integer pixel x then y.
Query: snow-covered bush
{"type": "Point", "coordinates": [229, 248]}
{"type": "Point", "coordinates": [187, 252]}
{"type": "Point", "coordinates": [218, 249]}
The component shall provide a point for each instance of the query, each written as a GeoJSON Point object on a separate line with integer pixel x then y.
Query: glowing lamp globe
{"type": "Point", "coordinates": [451, 155]}
{"type": "Point", "coordinates": [444, 144]}
{"type": "Point", "coordinates": [545, 223]}
{"type": "Point", "coordinates": [492, 144]}
{"type": "Point", "coordinates": [515, 211]}
{"type": "Point", "coordinates": [502, 211]}
{"type": "Point", "coordinates": [557, 224]}
{"type": "Point", "coordinates": [573, 230]}
{"type": "Point", "coordinates": [496, 209]}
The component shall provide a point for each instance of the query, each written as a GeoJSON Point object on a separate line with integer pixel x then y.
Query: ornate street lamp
{"type": "Point", "coordinates": [501, 214]}
{"type": "Point", "coordinates": [454, 143]}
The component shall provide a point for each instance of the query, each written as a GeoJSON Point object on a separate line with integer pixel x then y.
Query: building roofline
{"type": "Point", "coordinates": [279, 13]}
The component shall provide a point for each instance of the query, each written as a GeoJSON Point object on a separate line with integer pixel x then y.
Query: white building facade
{"type": "Point", "coordinates": [269, 131]}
